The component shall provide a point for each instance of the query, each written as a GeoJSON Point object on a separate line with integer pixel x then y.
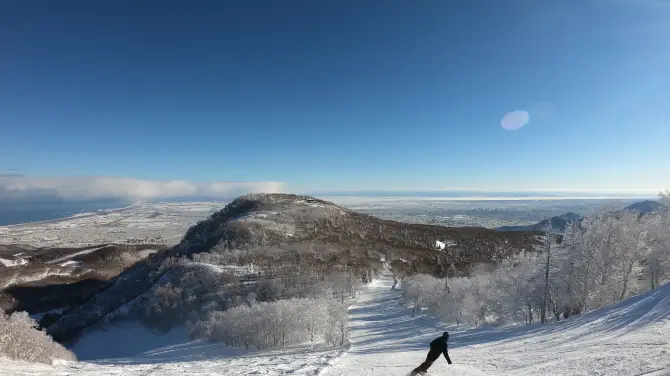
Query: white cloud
{"type": "Point", "coordinates": [130, 188]}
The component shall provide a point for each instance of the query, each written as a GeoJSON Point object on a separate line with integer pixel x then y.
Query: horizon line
{"type": "Point", "coordinates": [487, 193]}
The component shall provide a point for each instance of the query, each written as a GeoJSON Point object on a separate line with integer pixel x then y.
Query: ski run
{"type": "Point", "coordinates": [630, 338]}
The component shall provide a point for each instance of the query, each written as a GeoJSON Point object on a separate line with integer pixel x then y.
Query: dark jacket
{"type": "Point", "coordinates": [439, 345]}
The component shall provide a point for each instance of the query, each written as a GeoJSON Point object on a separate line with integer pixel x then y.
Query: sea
{"type": "Point", "coordinates": [13, 213]}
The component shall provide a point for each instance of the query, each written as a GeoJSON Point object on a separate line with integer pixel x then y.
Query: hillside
{"type": "Point", "coordinates": [643, 207]}
{"type": "Point", "coordinates": [274, 236]}
{"type": "Point", "coordinates": [626, 339]}
{"type": "Point", "coordinates": [39, 280]}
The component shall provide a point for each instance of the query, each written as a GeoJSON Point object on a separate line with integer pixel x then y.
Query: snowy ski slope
{"type": "Point", "coordinates": [630, 338]}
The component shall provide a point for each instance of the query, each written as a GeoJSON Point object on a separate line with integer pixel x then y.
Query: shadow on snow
{"type": "Point", "coordinates": [396, 330]}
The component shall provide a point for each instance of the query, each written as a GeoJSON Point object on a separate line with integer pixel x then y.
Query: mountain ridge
{"type": "Point", "coordinates": [559, 222]}
{"type": "Point", "coordinates": [276, 231]}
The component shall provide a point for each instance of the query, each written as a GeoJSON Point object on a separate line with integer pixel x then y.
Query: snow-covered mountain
{"type": "Point", "coordinates": [277, 228]}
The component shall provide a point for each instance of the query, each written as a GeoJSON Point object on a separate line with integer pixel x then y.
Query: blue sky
{"type": "Point", "coordinates": [340, 95]}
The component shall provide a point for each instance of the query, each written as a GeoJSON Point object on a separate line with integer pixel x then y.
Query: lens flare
{"type": "Point", "coordinates": [514, 120]}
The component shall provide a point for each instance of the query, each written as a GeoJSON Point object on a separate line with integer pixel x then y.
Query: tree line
{"type": "Point", "coordinates": [264, 325]}
{"type": "Point", "coordinates": [598, 261]}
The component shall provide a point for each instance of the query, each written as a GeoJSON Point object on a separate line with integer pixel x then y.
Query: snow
{"type": "Point", "coordinates": [627, 339]}
{"type": "Point", "coordinates": [72, 263]}
{"type": "Point", "coordinates": [11, 263]}
{"type": "Point", "coordinates": [444, 244]}
{"type": "Point", "coordinates": [287, 229]}
{"type": "Point", "coordinates": [311, 204]}
{"type": "Point", "coordinates": [146, 252]}
{"type": "Point", "coordinates": [15, 280]}
{"type": "Point", "coordinates": [80, 253]}
{"type": "Point", "coordinates": [235, 269]}
{"type": "Point", "coordinates": [630, 338]}
{"type": "Point", "coordinates": [114, 226]}
{"type": "Point", "coordinates": [136, 340]}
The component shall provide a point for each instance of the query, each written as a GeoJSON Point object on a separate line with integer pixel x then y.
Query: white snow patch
{"type": "Point", "coordinates": [311, 204]}
{"type": "Point", "coordinates": [444, 244]}
{"type": "Point", "coordinates": [84, 252]}
{"type": "Point", "coordinates": [12, 263]}
{"type": "Point", "coordinates": [241, 269]}
{"type": "Point", "coordinates": [286, 228]}
{"type": "Point", "coordinates": [146, 252]}
{"type": "Point", "coordinates": [72, 263]}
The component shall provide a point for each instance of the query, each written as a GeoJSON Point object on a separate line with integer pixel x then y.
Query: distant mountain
{"type": "Point", "coordinates": [643, 207]}
{"type": "Point", "coordinates": [559, 223]}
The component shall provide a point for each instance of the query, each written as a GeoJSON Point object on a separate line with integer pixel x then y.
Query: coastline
{"type": "Point", "coordinates": [74, 216]}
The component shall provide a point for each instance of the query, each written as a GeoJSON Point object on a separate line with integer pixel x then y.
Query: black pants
{"type": "Point", "coordinates": [432, 356]}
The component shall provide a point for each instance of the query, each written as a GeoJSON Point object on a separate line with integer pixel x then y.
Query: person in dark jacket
{"type": "Point", "coordinates": [437, 346]}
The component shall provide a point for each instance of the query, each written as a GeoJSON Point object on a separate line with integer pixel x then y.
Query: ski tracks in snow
{"type": "Point", "coordinates": [388, 339]}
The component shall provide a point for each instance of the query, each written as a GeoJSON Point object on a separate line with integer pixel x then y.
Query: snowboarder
{"type": "Point", "coordinates": [437, 346]}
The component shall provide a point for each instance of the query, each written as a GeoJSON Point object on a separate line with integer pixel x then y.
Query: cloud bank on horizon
{"type": "Point", "coordinates": [77, 188]}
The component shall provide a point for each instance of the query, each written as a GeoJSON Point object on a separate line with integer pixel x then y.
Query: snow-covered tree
{"type": "Point", "coordinates": [632, 250]}
{"type": "Point", "coordinates": [280, 323]}
{"type": "Point", "coordinates": [658, 227]}
{"type": "Point", "coordinates": [600, 260]}
{"type": "Point", "coordinates": [21, 339]}
{"type": "Point", "coordinates": [545, 248]}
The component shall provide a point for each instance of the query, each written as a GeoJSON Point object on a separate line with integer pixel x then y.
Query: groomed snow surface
{"type": "Point", "coordinates": [627, 339]}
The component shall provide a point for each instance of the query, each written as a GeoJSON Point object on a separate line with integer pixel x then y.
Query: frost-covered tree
{"type": "Point", "coordinates": [633, 249]}
{"type": "Point", "coordinates": [545, 248]}
{"type": "Point", "coordinates": [600, 260]}
{"type": "Point", "coordinates": [572, 277]}
{"type": "Point", "coordinates": [658, 260]}
{"type": "Point", "coordinates": [280, 323]}
{"type": "Point", "coordinates": [21, 339]}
